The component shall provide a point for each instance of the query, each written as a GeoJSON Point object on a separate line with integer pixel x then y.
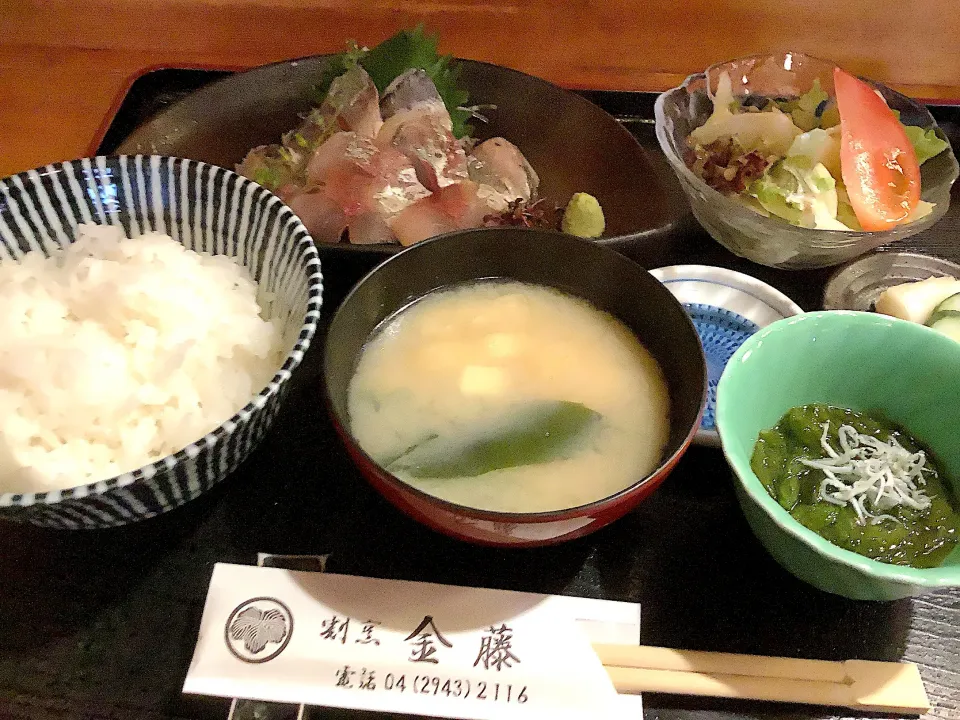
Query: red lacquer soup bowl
{"type": "Point", "coordinates": [608, 280]}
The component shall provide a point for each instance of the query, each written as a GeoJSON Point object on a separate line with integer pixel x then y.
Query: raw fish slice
{"type": "Point", "coordinates": [407, 91]}
{"type": "Point", "coordinates": [325, 158]}
{"type": "Point", "coordinates": [368, 228]}
{"type": "Point", "coordinates": [463, 202]}
{"type": "Point", "coordinates": [424, 134]}
{"type": "Point", "coordinates": [288, 191]}
{"type": "Point", "coordinates": [396, 185]}
{"type": "Point", "coordinates": [499, 164]}
{"type": "Point", "coordinates": [322, 216]}
{"type": "Point", "coordinates": [272, 166]}
{"type": "Point", "coordinates": [349, 186]}
{"type": "Point", "coordinates": [428, 113]}
{"type": "Point", "coordinates": [355, 103]}
{"type": "Point", "coordinates": [348, 178]}
{"type": "Point", "coordinates": [352, 104]}
{"type": "Point", "coordinates": [491, 190]}
{"type": "Point", "coordinates": [455, 207]}
{"type": "Point", "coordinates": [361, 177]}
{"type": "Point", "coordinates": [420, 221]}
{"type": "Point", "coordinates": [315, 129]}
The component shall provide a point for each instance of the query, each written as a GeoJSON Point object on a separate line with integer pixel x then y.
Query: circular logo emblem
{"type": "Point", "coordinates": [258, 630]}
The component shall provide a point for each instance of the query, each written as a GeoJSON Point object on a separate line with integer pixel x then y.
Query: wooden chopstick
{"type": "Point", "coordinates": [861, 684]}
{"type": "Point", "coordinates": [697, 661]}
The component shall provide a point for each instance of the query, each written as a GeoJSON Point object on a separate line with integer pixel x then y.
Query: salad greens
{"type": "Point", "coordinates": [406, 50]}
{"type": "Point", "coordinates": [807, 110]}
{"type": "Point", "coordinates": [768, 131]}
{"type": "Point", "coordinates": [781, 157]}
{"type": "Point", "coordinates": [925, 143]}
{"type": "Point", "coordinates": [800, 192]}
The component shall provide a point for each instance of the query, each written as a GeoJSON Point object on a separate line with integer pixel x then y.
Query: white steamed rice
{"type": "Point", "coordinates": [118, 352]}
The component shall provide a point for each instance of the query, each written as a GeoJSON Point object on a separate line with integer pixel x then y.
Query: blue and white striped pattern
{"type": "Point", "coordinates": [207, 209]}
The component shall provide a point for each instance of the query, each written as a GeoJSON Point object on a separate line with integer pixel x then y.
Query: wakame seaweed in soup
{"type": "Point", "coordinates": [861, 482]}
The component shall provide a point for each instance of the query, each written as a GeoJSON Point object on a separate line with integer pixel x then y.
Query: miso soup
{"type": "Point", "coordinates": [505, 396]}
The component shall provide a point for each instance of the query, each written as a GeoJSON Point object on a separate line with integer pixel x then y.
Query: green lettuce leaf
{"type": "Point", "coordinates": [818, 146]}
{"type": "Point", "coordinates": [537, 433]}
{"type": "Point", "coordinates": [800, 192]}
{"type": "Point", "coordinates": [830, 116]}
{"type": "Point", "coordinates": [805, 115]}
{"type": "Point", "coordinates": [926, 143]}
{"type": "Point", "coordinates": [771, 191]}
{"type": "Point", "coordinates": [805, 110]}
{"type": "Point", "coordinates": [811, 100]}
{"type": "Point", "coordinates": [804, 119]}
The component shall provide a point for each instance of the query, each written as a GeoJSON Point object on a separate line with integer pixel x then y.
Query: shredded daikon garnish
{"type": "Point", "coordinates": [867, 471]}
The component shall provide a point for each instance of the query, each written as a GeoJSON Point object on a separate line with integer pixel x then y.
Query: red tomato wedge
{"type": "Point", "coordinates": [877, 161]}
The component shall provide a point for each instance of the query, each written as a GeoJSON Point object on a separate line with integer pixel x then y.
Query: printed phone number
{"type": "Point", "coordinates": [436, 685]}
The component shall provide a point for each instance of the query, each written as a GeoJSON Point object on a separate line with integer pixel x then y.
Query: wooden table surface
{"type": "Point", "coordinates": [65, 64]}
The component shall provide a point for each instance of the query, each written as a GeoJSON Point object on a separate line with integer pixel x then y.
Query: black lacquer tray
{"type": "Point", "coordinates": [102, 624]}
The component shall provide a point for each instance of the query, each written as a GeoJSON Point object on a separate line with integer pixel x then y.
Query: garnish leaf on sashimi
{"type": "Point", "coordinates": [537, 433]}
{"type": "Point", "coordinates": [404, 51]}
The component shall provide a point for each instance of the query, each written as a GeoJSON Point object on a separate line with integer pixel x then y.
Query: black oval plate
{"type": "Point", "coordinates": [573, 144]}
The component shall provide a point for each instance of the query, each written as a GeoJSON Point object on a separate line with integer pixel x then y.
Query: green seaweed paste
{"type": "Point", "coordinates": [861, 482]}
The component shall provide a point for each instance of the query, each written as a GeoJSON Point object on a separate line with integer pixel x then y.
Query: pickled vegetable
{"type": "Point", "coordinates": [917, 301]}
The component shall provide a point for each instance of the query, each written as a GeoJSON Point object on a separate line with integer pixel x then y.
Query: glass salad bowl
{"type": "Point", "coordinates": [770, 240]}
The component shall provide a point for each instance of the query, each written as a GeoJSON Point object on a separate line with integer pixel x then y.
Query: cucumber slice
{"type": "Point", "coordinates": [940, 315]}
{"type": "Point", "coordinates": [950, 305]}
{"type": "Point", "coordinates": [948, 324]}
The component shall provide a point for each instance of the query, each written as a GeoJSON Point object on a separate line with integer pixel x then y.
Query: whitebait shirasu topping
{"type": "Point", "coordinates": [866, 470]}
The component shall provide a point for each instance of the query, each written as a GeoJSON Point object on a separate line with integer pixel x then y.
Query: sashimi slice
{"type": "Point", "coordinates": [408, 90]}
{"type": "Point", "coordinates": [355, 103]}
{"type": "Point", "coordinates": [463, 203]}
{"type": "Point", "coordinates": [396, 183]}
{"type": "Point", "coordinates": [499, 164]}
{"type": "Point", "coordinates": [369, 228]}
{"type": "Point", "coordinates": [348, 178]}
{"type": "Point", "coordinates": [370, 185]}
{"type": "Point", "coordinates": [424, 134]}
{"type": "Point", "coordinates": [272, 166]}
{"type": "Point", "coordinates": [455, 207]}
{"type": "Point", "coordinates": [420, 221]}
{"type": "Point", "coordinates": [322, 216]}
{"type": "Point", "coordinates": [365, 178]}
{"type": "Point", "coordinates": [352, 104]}
{"type": "Point", "coordinates": [326, 157]}
{"type": "Point", "coordinates": [316, 127]}
{"type": "Point", "coordinates": [288, 191]}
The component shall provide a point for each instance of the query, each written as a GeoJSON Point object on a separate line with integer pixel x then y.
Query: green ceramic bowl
{"type": "Point", "coordinates": [858, 360]}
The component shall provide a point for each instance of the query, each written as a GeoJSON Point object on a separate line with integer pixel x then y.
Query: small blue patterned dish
{"type": "Point", "coordinates": [726, 307]}
{"type": "Point", "coordinates": [205, 208]}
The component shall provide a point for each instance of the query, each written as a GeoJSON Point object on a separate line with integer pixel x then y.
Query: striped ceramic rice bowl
{"type": "Point", "coordinates": [206, 209]}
